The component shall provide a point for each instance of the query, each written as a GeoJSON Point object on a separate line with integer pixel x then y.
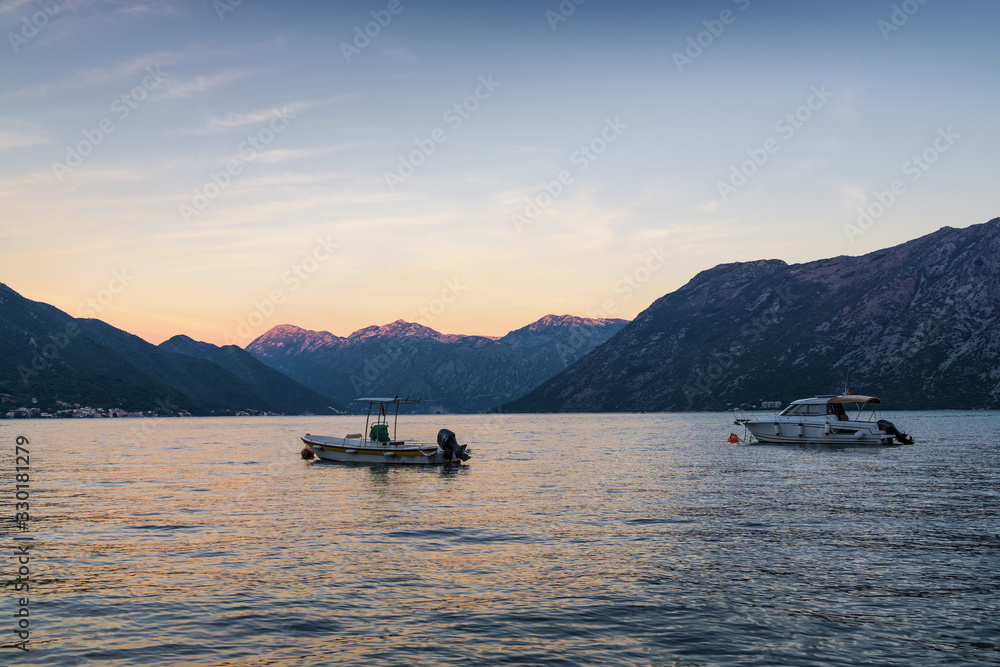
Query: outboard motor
{"type": "Point", "coordinates": [447, 442]}
{"type": "Point", "coordinates": [891, 429]}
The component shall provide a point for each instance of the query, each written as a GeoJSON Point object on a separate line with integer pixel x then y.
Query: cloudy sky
{"type": "Point", "coordinates": [218, 168]}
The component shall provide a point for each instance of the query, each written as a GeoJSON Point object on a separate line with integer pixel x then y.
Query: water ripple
{"type": "Point", "coordinates": [672, 548]}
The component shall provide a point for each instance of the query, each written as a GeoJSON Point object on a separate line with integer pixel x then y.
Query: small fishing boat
{"type": "Point", "coordinates": [828, 420]}
{"type": "Point", "coordinates": [378, 447]}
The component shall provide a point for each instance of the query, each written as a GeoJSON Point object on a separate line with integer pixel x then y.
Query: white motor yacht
{"type": "Point", "coordinates": [844, 419]}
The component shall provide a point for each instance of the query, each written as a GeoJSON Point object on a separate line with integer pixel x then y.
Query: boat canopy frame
{"type": "Point", "coordinates": [854, 398]}
{"type": "Point", "coordinates": [837, 404]}
{"type": "Point", "coordinates": [382, 416]}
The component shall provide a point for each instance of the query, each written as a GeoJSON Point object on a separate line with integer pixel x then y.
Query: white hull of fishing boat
{"type": "Point", "coordinates": [381, 445]}
{"type": "Point", "coordinates": [357, 450]}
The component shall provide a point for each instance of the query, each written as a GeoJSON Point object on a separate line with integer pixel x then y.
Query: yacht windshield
{"type": "Point", "coordinates": [805, 409]}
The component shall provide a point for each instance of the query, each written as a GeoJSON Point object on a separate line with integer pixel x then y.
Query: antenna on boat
{"type": "Point", "coordinates": [847, 382]}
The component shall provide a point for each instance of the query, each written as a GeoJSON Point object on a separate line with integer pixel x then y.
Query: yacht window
{"type": "Point", "coordinates": [836, 409]}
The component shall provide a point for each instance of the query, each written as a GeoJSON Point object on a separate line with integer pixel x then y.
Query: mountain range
{"type": "Point", "coordinates": [451, 373]}
{"type": "Point", "coordinates": [916, 324]}
{"type": "Point", "coordinates": [48, 356]}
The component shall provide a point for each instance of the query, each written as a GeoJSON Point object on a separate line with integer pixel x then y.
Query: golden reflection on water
{"type": "Point", "coordinates": [595, 539]}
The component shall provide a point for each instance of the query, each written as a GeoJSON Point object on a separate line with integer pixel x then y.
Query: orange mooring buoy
{"type": "Point", "coordinates": [733, 438]}
{"type": "Point", "coordinates": [307, 452]}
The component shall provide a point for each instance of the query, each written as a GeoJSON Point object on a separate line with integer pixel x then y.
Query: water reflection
{"type": "Point", "coordinates": [562, 542]}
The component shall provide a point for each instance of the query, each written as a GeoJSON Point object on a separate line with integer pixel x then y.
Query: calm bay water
{"type": "Point", "coordinates": [567, 540]}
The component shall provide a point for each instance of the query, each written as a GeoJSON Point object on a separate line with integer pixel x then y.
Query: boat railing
{"type": "Point", "coordinates": [401, 444]}
{"type": "Point", "coordinates": [741, 416]}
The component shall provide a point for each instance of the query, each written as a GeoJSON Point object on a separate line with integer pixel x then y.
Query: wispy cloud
{"type": "Point", "coordinates": [284, 155]}
{"type": "Point", "coordinates": [182, 88]}
{"type": "Point", "coordinates": [852, 195]}
{"type": "Point", "coordinates": [142, 8]}
{"type": "Point", "coordinates": [843, 105]}
{"type": "Point", "coordinates": [234, 121]}
{"type": "Point", "coordinates": [16, 187]}
{"type": "Point", "coordinates": [11, 6]}
{"type": "Point", "coordinates": [243, 212]}
{"type": "Point", "coordinates": [138, 8]}
{"type": "Point", "coordinates": [15, 133]}
{"type": "Point", "coordinates": [96, 76]}
{"type": "Point", "coordinates": [285, 179]}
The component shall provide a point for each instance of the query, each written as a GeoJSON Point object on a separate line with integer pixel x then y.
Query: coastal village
{"type": "Point", "coordinates": [70, 410]}
{"type": "Point", "coordinates": [65, 410]}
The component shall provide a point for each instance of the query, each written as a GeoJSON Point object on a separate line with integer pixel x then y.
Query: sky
{"type": "Point", "coordinates": [216, 168]}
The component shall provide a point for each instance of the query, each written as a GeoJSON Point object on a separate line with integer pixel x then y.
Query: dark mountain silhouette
{"type": "Point", "coordinates": [278, 388]}
{"type": "Point", "coordinates": [449, 372]}
{"type": "Point", "coordinates": [915, 324]}
{"type": "Point", "coordinates": [47, 356]}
